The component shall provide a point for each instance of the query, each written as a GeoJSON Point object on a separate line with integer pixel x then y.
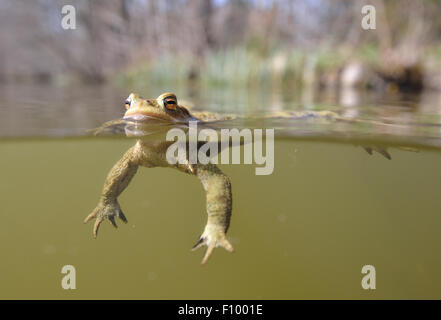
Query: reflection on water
{"type": "Point", "coordinates": [304, 231]}
{"type": "Point", "coordinates": [70, 111]}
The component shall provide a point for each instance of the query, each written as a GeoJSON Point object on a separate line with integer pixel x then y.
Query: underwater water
{"type": "Point", "coordinates": [303, 232]}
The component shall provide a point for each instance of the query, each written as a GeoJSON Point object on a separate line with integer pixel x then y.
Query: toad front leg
{"type": "Point", "coordinates": [117, 180]}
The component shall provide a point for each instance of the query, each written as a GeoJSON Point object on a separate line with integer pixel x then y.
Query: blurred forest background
{"type": "Point", "coordinates": [286, 43]}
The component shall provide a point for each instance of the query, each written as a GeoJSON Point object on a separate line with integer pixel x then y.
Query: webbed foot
{"type": "Point", "coordinates": [103, 211]}
{"type": "Point", "coordinates": [212, 237]}
{"type": "Point", "coordinates": [380, 150]}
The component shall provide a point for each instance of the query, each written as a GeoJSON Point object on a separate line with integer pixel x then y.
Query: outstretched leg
{"type": "Point", "coordinates": [117, 180]}
{"type": "Point", "coordinates": [219, 205]}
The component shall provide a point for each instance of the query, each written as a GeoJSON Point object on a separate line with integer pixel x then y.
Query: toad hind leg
{"type": "Point", "coordinates": [219, 205]}
{"type": "Point", "coordinates": [378, 149]}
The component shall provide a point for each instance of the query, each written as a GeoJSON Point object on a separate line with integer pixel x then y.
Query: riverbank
{"type": "Point", "coordinates": [365, 68]}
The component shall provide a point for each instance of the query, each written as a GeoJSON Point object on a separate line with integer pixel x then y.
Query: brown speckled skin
{"type": "Point", "coordinates": [153, 154]}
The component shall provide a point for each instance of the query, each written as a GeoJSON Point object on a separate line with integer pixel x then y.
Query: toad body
{"type": "Point", "coordinates": [166, 111]}
{"type": "Point", "coordinates": [217, 186]}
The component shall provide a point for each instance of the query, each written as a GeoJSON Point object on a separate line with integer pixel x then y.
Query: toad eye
{"type": "Point", "coordinates": [170, 103]}
{"type": "Point", "coordinates": [127, 103]}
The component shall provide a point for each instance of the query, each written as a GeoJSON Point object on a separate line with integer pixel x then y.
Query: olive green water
{"type": "Point", "coordinates": [303, 232]}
